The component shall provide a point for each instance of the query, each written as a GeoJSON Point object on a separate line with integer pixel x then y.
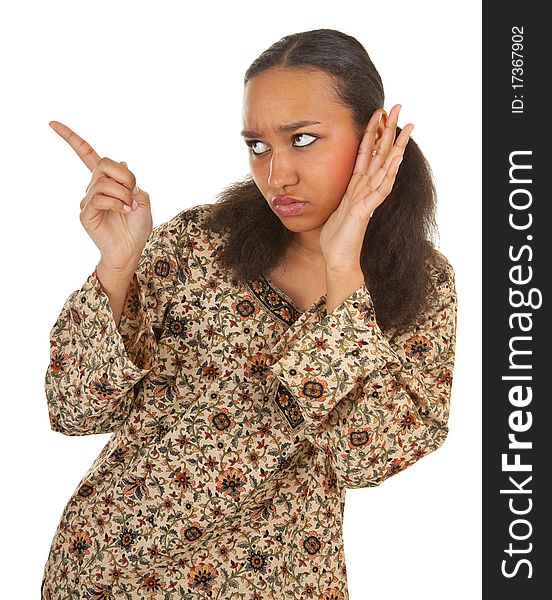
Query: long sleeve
{"type": "Point", "coordinates": [94, 365]}
{"type": "Point", "coordinates": [374, 405]}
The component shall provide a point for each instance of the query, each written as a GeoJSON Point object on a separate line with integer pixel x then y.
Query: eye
{"type": "Point", "coordinates": [252, 143]}
{"type": "Point", "coordinates": [308, 135]}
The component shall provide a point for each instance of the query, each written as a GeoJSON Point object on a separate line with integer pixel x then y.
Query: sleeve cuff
{"type": "Point", "coordinates": [133, 340]}
{"type": "Point", "coordinates": [93, 358]}
{"type": "Point", "coordinates": [335, 353]}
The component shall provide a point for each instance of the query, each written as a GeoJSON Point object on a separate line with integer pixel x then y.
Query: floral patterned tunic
{"type": "Point", "coordinates": [238, 422]}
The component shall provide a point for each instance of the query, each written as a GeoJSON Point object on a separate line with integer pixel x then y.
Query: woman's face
{"type": "Point", "coordinates": [310, 162]}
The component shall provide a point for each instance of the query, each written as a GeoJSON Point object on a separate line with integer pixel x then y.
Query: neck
{"type": "Point", "coordinates": [306, 247]}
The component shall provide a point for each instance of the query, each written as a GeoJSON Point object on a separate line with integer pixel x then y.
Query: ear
{"type": "Point", "coordinates": [381, 126]}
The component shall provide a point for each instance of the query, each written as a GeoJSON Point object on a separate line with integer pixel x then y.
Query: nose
{"type": "Point", "coordinates": [282, 171]}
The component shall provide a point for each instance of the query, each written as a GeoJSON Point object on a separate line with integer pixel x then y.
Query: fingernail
{"type": "Point", "coordinates": [135, 190]}
{"type": "Point", "coordinates": [127, 208]}
{"type": "Point", "coordinates": [134, 204]}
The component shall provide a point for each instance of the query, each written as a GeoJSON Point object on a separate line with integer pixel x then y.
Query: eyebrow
{"type": "Point", "coordinates": [283, 128]}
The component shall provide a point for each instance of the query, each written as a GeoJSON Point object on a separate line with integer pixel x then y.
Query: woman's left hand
{"type": "Point", "coordinates": [372, 180]}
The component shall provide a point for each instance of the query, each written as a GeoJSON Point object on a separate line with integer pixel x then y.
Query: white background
{"type": "Point", "coordinates": [159, 85]}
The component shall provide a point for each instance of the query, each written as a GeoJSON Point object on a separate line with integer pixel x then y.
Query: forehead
{"type": "Point", "coordinates": [280, 95]}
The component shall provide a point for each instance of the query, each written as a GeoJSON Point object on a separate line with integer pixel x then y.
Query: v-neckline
{"type": "Point", "coordinates": [274, 300]}
{"type": "Point", "coordinates": [279, 305]}
{"type": "Point", "coordinates": [285, 296]}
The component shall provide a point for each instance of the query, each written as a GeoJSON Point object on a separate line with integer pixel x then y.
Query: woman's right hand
{"type": "Point", "coordinates": [120, 235]}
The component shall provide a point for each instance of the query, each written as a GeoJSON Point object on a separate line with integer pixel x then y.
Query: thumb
{"type": "Point", "coordinates": [141, 197]}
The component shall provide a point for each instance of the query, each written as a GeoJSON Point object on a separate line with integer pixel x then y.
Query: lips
{"type": "Point", "coordinates": [284, 200]}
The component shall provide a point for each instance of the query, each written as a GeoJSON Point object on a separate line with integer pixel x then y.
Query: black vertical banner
{"type": "Point", "coordinates": [517, 330]}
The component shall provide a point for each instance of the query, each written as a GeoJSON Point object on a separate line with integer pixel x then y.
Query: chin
{"type": "Point", "coordinates": [298, 225]}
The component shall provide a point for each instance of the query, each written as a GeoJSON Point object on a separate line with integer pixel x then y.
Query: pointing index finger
{"type": "Point", "coordinates": [83, 149]}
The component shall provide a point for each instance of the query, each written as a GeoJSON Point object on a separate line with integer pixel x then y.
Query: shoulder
{"type": "Point", "coordinates": [188, 218]}
{"type": "Point", "coordinates": [189, 222]}
{"type": "Point", "coordinates": [173, 237]}
{"type": "Point", "coordinates": [440, 309]}
{"type": "Point", "coordinates": [442, 285]}
{"type": "Point", "coordinates": [441, 272]}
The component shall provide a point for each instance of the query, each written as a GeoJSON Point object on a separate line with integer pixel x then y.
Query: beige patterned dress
{"type": "Point", "coordinates": [238, 421]}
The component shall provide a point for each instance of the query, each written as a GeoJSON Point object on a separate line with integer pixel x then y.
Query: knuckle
{"type": "Point", "coordinates": [105, 161]}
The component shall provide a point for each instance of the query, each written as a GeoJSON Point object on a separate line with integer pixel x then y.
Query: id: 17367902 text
{"type": "Point", "coordinates": [517, 69]}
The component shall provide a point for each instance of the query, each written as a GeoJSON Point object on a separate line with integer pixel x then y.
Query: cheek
{"type": "Point", "coordinates": [338, 168]}
{"type": "Point", "coordinates": [342, 166]}
{"type": "Point", "coordinates": [257, 176]}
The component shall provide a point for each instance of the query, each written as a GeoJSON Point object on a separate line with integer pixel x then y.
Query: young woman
{"type": "Point", "coordinates": [255, 357]}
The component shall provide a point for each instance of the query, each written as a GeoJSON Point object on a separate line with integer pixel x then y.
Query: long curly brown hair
{"type": "Point", "coordinates": [397, 248]}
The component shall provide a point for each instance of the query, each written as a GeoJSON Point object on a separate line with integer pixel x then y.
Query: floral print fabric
{"type": "Point", "coordinates": [238, 421]}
